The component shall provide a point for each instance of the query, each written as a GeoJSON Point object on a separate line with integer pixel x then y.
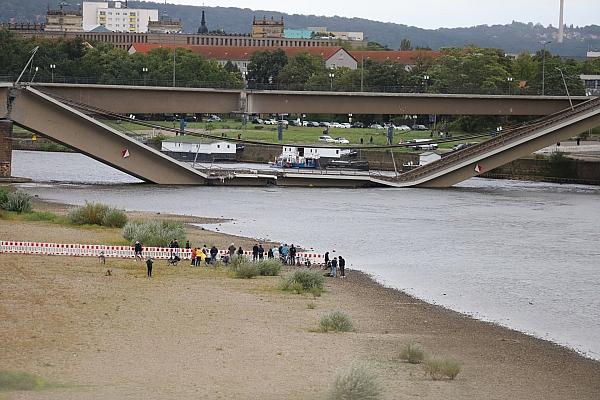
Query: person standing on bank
{"type": "Point", "coordinates": [255, 252]}
{"type": "Point", "coordinates": [334, 264]}
{"type": "Point", "coordinates": [231, 250]}
{"type": "Point", "coordinates": [137, 249]}
{"type": "Point", "coordinates": [149, 266]}
{"type": "Point", "coordinates": [342, 265]}
{"type": "Point", "coordinates": [261, 252]}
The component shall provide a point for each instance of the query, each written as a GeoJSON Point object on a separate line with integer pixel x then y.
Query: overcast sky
{"type": "Point", "coordinates": [429, 13]}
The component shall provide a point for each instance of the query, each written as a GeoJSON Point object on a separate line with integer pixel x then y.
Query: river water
{"type": "Point", "coordinates": [525, 255]}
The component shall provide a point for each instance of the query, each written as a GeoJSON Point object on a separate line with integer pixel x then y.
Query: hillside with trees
{"type": "Point", "coordinates": [512, 38]}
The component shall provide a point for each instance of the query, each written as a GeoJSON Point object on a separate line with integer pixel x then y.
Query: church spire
{"type": "Point", "coordinates": [203, 28]}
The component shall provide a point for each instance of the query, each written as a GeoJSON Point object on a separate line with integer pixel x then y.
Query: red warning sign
{"type": "Point", "coordinates": [478, 168]}
{"type": "Point", "coordinates": [124, 152]}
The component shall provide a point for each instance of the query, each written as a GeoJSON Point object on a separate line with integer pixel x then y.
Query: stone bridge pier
{"type": "Point", "coordinates": [5, 148]}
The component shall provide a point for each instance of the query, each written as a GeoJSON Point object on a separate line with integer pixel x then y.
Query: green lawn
{"type": "Point", "coordinates": [291, 134]}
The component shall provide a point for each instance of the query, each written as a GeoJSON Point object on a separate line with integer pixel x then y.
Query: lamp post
{"type": "Point", "coordinates": [145, 74]}
{"type": "Point", "coordinates": [52, 68]}
{"type": "Point", "coordinates": [331, 76]}
{"type": "Point", "coordinates": [566, 87]}
{"type": "Point", "coordinates": [425, 81]}
{"type": "Point", "coordinates": [174, 54]}
{"type": "Point", "coordinates": [35, 73]}
{"type": "Point", "coordinates": [544, 66]}
{"type": "Point", "coordinates": [510, 81]}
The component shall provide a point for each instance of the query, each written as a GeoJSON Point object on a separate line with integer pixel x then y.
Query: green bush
{"type": "Point", "coordinates": [4, 191]}
{"type": "Point", "coordinates": [154, 233]}
{"type": "Point", "coordinates": [336, 321]}
{"type": "Point", "coordinates": [269, 267]}
{"type": "Point", "coordinates": [15, 380]}
{"type": "Point", "coordinates": [304, 280]}
{"type": "Point", "coordinates": [438, 368]}
{"type": "Point", "coordinates": [451, 368]}
{"type": "Point", "coordinates": [17, 201]}
{"type": "Point", "coordinates": [236, 262]}
{"type": "Point", "coordinates": [355, 383]}
{"type": "Point", "coordinates": [412, 353]}
{"type": "Point", "coordinates": [247, 270]}
{"type": "Point", "coordinates": [89, 214]}
{"type": "Point", "coordinates": [114, 218]}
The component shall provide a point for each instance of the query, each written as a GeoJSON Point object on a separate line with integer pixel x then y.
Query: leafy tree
{"type": "Point", "coordinates": [264, 66]}
{"type": "Point", "coordinates": [300, 69]}
{"type": "Point", "coordinates": [405, 45]}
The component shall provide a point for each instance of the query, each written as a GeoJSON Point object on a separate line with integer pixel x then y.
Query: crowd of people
{"type": "Point", "coordinates": [288, 255]}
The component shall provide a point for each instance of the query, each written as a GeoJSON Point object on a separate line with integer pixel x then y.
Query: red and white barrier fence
{"type": "Point", "coordinates": [96, 250]}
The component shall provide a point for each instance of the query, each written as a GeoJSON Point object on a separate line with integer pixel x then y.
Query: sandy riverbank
{"type": "Point", "coordinates": [198, 333]}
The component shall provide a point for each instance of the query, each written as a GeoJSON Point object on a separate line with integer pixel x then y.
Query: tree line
{"type": "Point", "coordinates": [458, 70]}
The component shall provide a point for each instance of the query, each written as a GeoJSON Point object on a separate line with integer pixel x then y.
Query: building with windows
{"type": "Point", "coordinates": [116, 17]}
{"type": "Point", "coordinates": [64, 20]}
{"type": "Point", "coordinates": [267, 28]}
{"type": "Point", "coordinates": [333, 57]}
{"type": "Point", "coordinates": [592, 84]}
{"type": "Point", "coordinates": [165, 24]}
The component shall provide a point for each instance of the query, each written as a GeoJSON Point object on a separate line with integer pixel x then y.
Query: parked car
{"type": "Point", "coordinates": [314, 124]}
{"type": "Point", "coordinates": [461, 146]}
{"type": "Point", "coordinates": [213, 118]}
{"type": "Point", "coordinates": [419, 128]}
{"type": "Point", "coordinates": [324, 123]}
{"type": "Point", "coordinates": [358, 125]}
{"type": "Point", "coordinates": [257, 121]}
{"type": "Point", "coordinates": [335, 125]}
{"type": "Point", "coordinates": [345, 125]}
{"type": "Point", "coordinates": [326, 138]}
{"type": "Point", "coordinates": [402, 128]}
{"type": "Point", "coordinates": [342, 140]}
{"type": "Point", "coordinates": [375, 126]}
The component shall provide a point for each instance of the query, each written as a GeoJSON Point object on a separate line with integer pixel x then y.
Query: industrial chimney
{"type": "Point", "coordinates": [561, 22]}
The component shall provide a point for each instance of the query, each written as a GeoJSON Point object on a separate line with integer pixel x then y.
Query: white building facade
{"type": "Point", "coordinates": [115, 17]}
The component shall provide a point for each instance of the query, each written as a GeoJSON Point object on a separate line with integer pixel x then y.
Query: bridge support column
{"type": "Point", "coordinates": [5, 148]}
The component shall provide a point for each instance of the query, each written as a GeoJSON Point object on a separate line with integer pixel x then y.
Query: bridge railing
{"type": "Point", "coordinates": [253, 85]}
{"type": "Point", "coordinates": [501, 139]}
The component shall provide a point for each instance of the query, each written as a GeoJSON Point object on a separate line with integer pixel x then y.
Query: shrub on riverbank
{"type": "Point", "coordinates": [336, 321]}
{"type": "Point", "coordinates": [19, 202]}
{"type": "Point", "coordinates": [438, 368]}
{"type": "Point", "coordinates": [304, 280]}
{"type": "Point", "coordinates": [269, 267]}
{"type": "Point", "coordinates": [355, 382]}
{"type": "Point", "coordinates": [154, 233]}
{"type": "Point", "coordinates": [16, 380]}
{"type": "Point", "coordinates": [98, 214]}
{"type": "Point", "coordinates": [412, 354]}
{"type": "Point", "coordinates": [244, 268]}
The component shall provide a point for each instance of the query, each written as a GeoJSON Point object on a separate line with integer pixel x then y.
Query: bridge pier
{"type": "Point", "coordinates": [5, 148]}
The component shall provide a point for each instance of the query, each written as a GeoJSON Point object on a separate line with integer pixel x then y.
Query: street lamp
{"type": "Point", "coordinates": [510, 81]}
{"type": "Point", "coordinates": [52, 68]}
{"type": "Point", "coordinates": [145, 74]}
{"type": "Point", "coordinates": [35, 73]}
{"type": "Point", "coordinates": [566, 87]}
{"type": "Point", "coordinates": [425, 81]}
{"type": "Point", "coordinates": [544, 43]}
{"type": "Point", "coordinates": [331, 76]}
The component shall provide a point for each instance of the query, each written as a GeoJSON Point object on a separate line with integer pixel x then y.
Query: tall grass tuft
{"type": "Point", "coordinates": [438, 368]}
{"type": "Point", "coordinates": [412, 353]}
{"type": "Point", "coordinates": [269, 267]}
{"type": "Point", "coordinates": [4, 191]}
{"type": "Point", "coordinates": [355, 382]}
{"type": "Point", "coordinates": [336, 321]}
{"type": "Point", "coordinates": [304, 280]}
{"type": "Point", "coordinates": [154, 233]}
{"type": "Point", "coordinates": [114, 218]}
{"type": "Point", "coordinates": [16, 380]}
{"type": "Point", "coordinates": [89, 214]}
{"type": "Point", "coordinates": [247, 270]}
{"type": "Point", "coordinates": [17, 201]}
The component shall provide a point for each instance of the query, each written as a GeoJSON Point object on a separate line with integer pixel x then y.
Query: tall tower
{"type": "Point", "coordinates": [203, 28]}
{"type": "Point", "coordinates": [561, 22]}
